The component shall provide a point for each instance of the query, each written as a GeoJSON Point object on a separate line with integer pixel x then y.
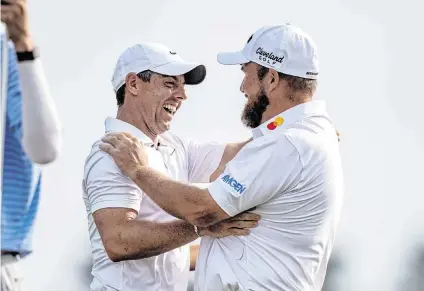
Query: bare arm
{"type": "Point", "coordinates": [193, 204]}
{"type": "Point", "coordinates": [126, 238]}
{"type": "Point", "coordinates": [230, 152]}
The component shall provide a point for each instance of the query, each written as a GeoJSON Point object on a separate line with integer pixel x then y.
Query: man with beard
{"type": "Point", "coordinates": [291, 172]}
{"type": "Point", "coordinates": [135, 244]}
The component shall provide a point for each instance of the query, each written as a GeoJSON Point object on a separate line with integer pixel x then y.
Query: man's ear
{"type": "Point", "coordinates": [131, 84]}
{"type": "Point", "coordinates": [274, 79]}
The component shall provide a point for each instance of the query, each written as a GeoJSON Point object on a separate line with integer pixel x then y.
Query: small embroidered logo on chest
{"type": "Point", "coordinates": [274, 124]}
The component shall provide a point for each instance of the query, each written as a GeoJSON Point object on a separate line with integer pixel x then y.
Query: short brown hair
{"type": "Point", "coordinates": [295, 83]}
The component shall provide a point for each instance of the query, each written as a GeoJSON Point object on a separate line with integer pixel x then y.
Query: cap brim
{"type": "Point", "coordinates": [232, 58]}
{"type": "Point", "coordinates": [194, 73]}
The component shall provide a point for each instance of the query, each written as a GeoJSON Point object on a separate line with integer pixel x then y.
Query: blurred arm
{"type": "Point", "coordinates": [207, 160]}
{"type": "Point", "coordinates": [230, 152]}
{"type": "Point", "coordinates": [40, 122]}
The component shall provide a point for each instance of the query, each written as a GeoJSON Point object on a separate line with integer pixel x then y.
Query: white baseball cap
{"type": "Point", "coordinates": [156, 58]}
{"type": "Point", "coordinates": [284, 48]}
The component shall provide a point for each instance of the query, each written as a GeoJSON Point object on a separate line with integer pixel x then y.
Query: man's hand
{"type": "Point", "coordinates": [15, 16]}
{"type": "Point", "coordinates": [237, 225]}
{"type": "Point", "coordinates": [127, 151]}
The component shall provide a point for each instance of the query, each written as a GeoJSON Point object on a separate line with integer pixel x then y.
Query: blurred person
{"type": "Point", "coordinates": [135, 244]}
{"type": "Point", "coordinates": [291, 172]}
{"type": "Point", "coordinates": [32, 138]}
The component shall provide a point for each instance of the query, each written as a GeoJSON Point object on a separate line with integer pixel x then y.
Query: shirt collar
{"type": "Point", "coordinates": [116, 125]}
{"type": "Point", "coordinates": [290, 116]}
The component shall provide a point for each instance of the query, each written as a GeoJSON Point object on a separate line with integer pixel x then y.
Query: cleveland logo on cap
{"type": "Point", "coordinates": [267, 57]}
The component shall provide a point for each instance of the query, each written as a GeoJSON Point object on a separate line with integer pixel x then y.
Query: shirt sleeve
{"type": "Point", "coordinates": [261, 171]}
{"type": "Point", "coordinates": [203, 159]}
{"type": "Point", "coordinates": [40, 121]}
{"type": "Point", "coordinates": [106, 186]}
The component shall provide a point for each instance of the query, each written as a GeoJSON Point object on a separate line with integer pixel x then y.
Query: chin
{"type": "Point", "coordinates": [164, 127]}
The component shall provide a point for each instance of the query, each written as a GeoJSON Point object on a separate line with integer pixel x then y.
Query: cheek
{"type": "Point", "coordinates": [160, 95]}
{"type": "Point", "coordinates": [250, 86]}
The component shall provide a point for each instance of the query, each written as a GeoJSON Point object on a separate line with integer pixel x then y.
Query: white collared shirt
{"type": "Point", "coordinates": [105, 186]}
{"type": "Point", "coordinates": [292, 173]}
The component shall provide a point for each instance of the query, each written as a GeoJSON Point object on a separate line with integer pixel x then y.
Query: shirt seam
{"type": "Point", "coordinates": [300, 160]}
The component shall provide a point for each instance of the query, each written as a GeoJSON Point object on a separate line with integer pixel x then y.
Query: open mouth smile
{"type": "Point", "coordinates": [170, 109]}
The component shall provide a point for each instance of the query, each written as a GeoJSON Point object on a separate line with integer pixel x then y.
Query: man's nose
{"type": "Point", "coordinates": [241, 86]}
{"type": "Point", "coordinates": [180, 94]}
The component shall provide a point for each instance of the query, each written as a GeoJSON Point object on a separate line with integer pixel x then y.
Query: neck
{"type": "Point", "coordinates": [282, 103]}
{"type": "Point", "coordinates": [137, 122]}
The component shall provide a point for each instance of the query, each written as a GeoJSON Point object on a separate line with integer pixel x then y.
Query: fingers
{"type": "Point", "coordinates": [246, 216]}
{"type": "Point", "coordinates": [239, 231]}
{"type": "Point", "coordinates": [12, 11]}
{"type": "Point", "coordinates": [21, 2]}
{"type": "Point", "coordinates": [117, 135]}
{"type": "Point", "coordinates": [130, 136]}
{"type": "Point", "coordinates": [243, 224]}
{"type": "Point", "coordinates": [114, 137]}
{"type": "Point", "coordinates": [111, 140]}
{"type": "Point", "coordinates": [107, 148]}
{"type": "Point", "coordinates": [6, 14]}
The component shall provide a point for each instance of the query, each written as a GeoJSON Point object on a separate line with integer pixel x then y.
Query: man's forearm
{"type": "Point", "coordinates": [142, 239]}
{"type": "Point", "coordinates": [180, 200]}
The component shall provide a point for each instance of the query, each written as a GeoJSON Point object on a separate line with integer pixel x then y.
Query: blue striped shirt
{"type": "Point", "coordinates": [21, 177]}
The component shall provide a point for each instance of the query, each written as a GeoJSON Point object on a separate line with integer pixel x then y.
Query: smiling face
{"type": "Point", "coordinates": [154, 101]}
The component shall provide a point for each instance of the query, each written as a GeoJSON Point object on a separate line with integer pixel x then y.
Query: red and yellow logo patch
{"type": "Point", "coordinates": [277, 122]}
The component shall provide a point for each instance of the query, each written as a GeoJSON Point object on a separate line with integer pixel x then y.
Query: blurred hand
{"type": "Point", "coordinates": [15, 16]}
{"type": "Point", "coordinates": [127, 151]}
{"type": "Point", "coordinates": [237, 225]}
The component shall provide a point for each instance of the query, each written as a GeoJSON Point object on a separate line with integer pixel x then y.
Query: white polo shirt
{"type": "Point", "coordinates": [104, 186]}
{"type": "Point", "coordinates": [292, 173]}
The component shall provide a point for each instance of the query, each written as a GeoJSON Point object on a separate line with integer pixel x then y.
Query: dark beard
{"type": "Point", "coordinates": [252, 113]}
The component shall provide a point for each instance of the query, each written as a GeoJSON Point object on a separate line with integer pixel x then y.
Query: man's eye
{"type": "Point", "coordinates": [170, 84]}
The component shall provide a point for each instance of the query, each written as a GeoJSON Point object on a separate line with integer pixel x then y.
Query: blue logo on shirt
{"type": "Point", "coordinates": [234, 184]}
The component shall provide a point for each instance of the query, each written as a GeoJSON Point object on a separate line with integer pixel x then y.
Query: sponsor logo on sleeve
{"type": "Point", "coordinates": [239, 188]}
